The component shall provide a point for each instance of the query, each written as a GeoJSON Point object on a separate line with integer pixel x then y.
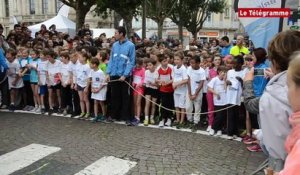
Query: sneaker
{"type": "Point", "coordinates": [109, 120]}
{"type": "Point", "coordinates": [179, 125]}
{"type": "Point", "coordinates": [135, 122]}
{"type": "Point", "coordinates": [208, 128]}
{"type": "Point", "coordinates": [152, 121]}
{"type": "Point", "coordinates": [161, 124]}
{"type": "Point", "coordinates": [211, 132]}
{"type": "Point", "coordinates": [81, 115]}
{"type": "Point", "coordinates": [168, 123]}
{"type": "Point", "coordinates": [50, 112]}
{"type": "Point", "coordinates": [65, 112]}
{"type": "Point", "coordinates": [34, 109]}
{"type": "Point", "coordinates": [194, 128]}
{"type": "Point", "coordinates": [87, 116]}
{"type": "Point", "coordinates": [235, 136]}
{"type": "Point", "coordinates": [254, 148]}
{"type": "Point", "coordinates": [219, 133]}
{"type": "Point", "coordinates": [11, 108]}
{"type": "Point", "coordinates": [246, 137]}
{"type": "Point", "coordinates": [4, 107]}
{"type": "Point", "coordinates": [26, 108]}
{"type": "Point", "coordinates": [38, 110]}
{"type": "Point", "coordinates": [146, 122]}
{"type": "Point", "coordinates": [30, 108]}
{"type": "Point", "coordinates": [60, 111]}
{"type": "Point", "coordinates": [249, 141]}
{"type": "Point", "coordinates": [102, 119]}
{"type": "Point", "coordinates": [43, 111]}
{"type": "Point", "coordinates": [95, 119]}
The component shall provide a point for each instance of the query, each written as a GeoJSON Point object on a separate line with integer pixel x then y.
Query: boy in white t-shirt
{"type": "Point", "coordinates": [196, 78]}
{"type": "Point", "coordinates": [42, 76]}
{"type": "Point", "coordinates": [75, 97]}
{"type": "Point", "coordinates": [234, 81]}
{"type": "Point", "coordinates": [180, 80]}
{"type": "Point", "coordinates": [99, 89]}
{"type": "Point", "coordinates": [15, 81]}
{"type": "Point", "coordinates": [217, 87]}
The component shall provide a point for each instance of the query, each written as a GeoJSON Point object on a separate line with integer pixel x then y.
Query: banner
{"type": "Point", "coordinates": [260, 30]}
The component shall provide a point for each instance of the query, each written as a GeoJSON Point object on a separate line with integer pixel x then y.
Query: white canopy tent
{"type": "Point", "coordinates": [63, 24]}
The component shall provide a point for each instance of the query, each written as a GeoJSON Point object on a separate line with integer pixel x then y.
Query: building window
{"type": "Point", "coordinates": [6, 8]}
{"type": "Point", "coordinates": [209, 17]}
{"type": "Point", "coordinates": [227, 13]}
{"type": "Point", "coordinates": [32, 7]}
{"type": "Point", "coordinates": [44, 6]}
{"type": "Point", "coordinates": [59, 4]}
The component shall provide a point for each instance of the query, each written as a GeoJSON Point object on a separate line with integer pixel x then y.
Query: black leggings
{"type": "Point", "coordinates": [167, 101]}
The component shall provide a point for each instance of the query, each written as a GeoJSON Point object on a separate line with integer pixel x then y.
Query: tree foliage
{"type": "Point", "coordinates": [192, 13]}
{"type": "Point", "coordinates": [82, 7]}
{"type": "Point", "coordinates": [127, 9]}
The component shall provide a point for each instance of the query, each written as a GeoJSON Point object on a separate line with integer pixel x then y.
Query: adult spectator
{"type": "Point", "coordinates": [273, 106]}
{"type": "Point", "coordinates": [3, 79]}
{"type": "Point", "coordinates": [226, 46]}
{"type": "Point", "coordinates": [1, 31]}
{"type": "Point", "coordinates": [119, 69]}
{"type": "Point", "coordinates": [52, 29]}
{"type": "Point", "coordinates": [85, 30]}
{"type": "Point", "coordinates": [239, 48]}
{"type": "Point", "coordinates": [215, 48]}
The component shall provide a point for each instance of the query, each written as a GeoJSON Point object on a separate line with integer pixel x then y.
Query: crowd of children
{"type": "Point", "coordinates": [180, 82]}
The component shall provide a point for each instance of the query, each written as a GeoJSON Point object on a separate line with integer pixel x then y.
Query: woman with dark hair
{"type": "Point", "coordinates": [273, 106]}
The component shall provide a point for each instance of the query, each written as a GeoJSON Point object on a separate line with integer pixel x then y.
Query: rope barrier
{"type": "Point", "coordinates": [171, 110]}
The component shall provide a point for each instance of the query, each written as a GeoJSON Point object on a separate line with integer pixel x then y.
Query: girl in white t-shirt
{"type": "Point", "coordinates": [53, 81]}
{"type": "Point", "coordinates": [65, 77]}
{"type": "Point", "coordinates": [41, 71]}
{"type": "Point", "coordinates": [196, 78]}
{"type": "Point", "coordinates": [151, 91]}
{"type": "Point", "coordinates": [15, 81]}
{"type": "Point", "coordinates": [217, 87]}
{"type": "Point", "coordinates": [180, 87]}
{"type": "Point", "coordinates": [82, 84]}
{"type": "Point", "coordinates": [99, 89]}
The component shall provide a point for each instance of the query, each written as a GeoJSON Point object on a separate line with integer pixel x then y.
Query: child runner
{"type": "Point", "coordinates": [15, 81]}
{"type": "Point", "coordinates": [53, 81]}
{"type": "Point", "coordinates": [82, 84]}
{"type": "Point", "coordinates": [42, 70]}
{"type": "Point", "coordinates": [97, 78]}
{"type": "Point", "coordinates": [180, 80]}
{"type": "Point", "coordinates": [217, 87]}
{"type": "Point", "coordinates": [196, 78]}
{"type": "Point", "coordinates": [165, 81]}
{"type": "Point", "coordinates": [151, 91]}
{"type": "Point", "coordinates": [33, 62]}
{"type": "Point", "coordinates": [138, 81]}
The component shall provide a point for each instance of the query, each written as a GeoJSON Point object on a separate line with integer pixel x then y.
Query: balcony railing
{"type": "Point", "coordinates": [222, 25]}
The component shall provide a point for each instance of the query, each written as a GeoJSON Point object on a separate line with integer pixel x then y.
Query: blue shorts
{"type": "Point", "coordinates": [43, 89]}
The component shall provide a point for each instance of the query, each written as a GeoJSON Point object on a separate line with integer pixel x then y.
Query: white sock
{"type": "Point", "coordinates": [146, 117]}
{"type": "Point", "coordinates": [151, 117]}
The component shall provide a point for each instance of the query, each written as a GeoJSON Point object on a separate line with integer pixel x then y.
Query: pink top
{"type": "Point", "coordinates": [292, 146]}
{"type": "Point", "coordinates": [212, 73]}
{"type": "Point", "coordinates": [138, 78]}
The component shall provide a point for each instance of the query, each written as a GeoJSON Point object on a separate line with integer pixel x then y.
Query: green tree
{"type": "Point", "coordinates": [192, 14]}
{"type": "Point", "coordinates": [127, 9]}
{"type": "Point", "coordinates": [82, 7]}
{"type": "Point", "coordinates": [158, 11]}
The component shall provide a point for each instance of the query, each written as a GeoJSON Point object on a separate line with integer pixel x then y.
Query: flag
{"type": "Point", "coordinates": [260, 30]}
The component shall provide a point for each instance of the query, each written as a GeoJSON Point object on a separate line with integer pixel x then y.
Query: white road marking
{"type": "Point", "coordinates": [23, 157]}
{"type": "Point", "coordinates": [108, 166]}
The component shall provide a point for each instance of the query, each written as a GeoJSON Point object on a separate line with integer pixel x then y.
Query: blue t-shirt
{"type": "Point", "coordinates": [33, 72]}
{"type": "Point", "coordinates": [225, 50]}
{"type": "Point", "coordinates": [259, 82]}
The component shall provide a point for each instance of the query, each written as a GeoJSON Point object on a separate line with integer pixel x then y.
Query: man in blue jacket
{"type": "Point", "coordinates": [3, 78]}
{"type": "Point", "coordinates": [120, 65]}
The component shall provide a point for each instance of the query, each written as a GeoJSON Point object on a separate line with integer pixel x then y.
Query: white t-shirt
{"type": "Point", "coordinates": [13, 71]}
{"type": "Point", "coordinates": [98, 78]}
{"type": "Point", "coordinates": [53, 71]}
{"type": "Point", "coordinates": [82, 74]}
{"type": "Point", "coordinates": [234, 91]}
{"type": "Point", "coordinates": [42, 70]}
{"type": "Point", "coordinates": [150, 77]}
{"type": "Point", "coordinates": [73, 70]}
{"type": "Point", "coordinates": [65, 71]}
{"type": "Point", "coordinates": [178, 75]}
{"type": "Point", "coordinates": [219, 86]}
{"type": "Point", "coordinates": [206, 81]}
{"type": "Point", "coordinates": [196, 76]}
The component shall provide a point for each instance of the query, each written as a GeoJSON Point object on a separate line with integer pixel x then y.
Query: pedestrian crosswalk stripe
{"type": "Point", "coordinates": [23, 157]}
{"type": "Point", "coordinates": [108, 166]}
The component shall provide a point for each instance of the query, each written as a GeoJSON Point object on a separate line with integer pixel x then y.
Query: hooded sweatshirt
{"type": "Point", "coordinates": [274, 110]}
